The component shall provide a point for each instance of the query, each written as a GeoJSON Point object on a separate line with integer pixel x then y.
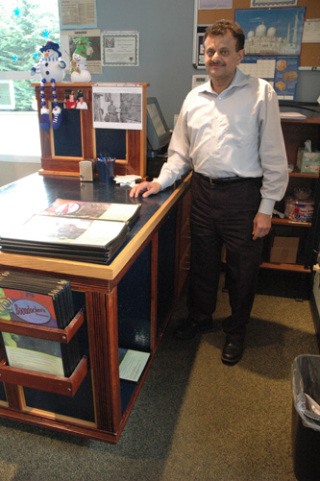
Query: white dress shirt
{"type": "Point", "coordinates": [234, 133]}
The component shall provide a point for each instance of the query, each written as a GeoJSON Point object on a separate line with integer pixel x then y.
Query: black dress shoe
{"type": "Point", "coordinates": [190, 328]}
{"type": "Point", "coordinates": [232, 350]}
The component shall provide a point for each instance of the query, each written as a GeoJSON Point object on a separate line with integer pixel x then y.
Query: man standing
{"type": "Point", "coordinates": [229, 133]}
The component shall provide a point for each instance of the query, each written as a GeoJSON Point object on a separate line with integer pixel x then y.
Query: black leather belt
{"type": "Point", "coordinates": [223, 180]}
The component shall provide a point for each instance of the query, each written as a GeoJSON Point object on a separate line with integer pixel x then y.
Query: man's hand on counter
{"type": "Point", "coordinates": [145, 189]}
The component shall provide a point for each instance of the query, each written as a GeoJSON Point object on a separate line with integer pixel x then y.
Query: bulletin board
{"type": "Point", "coordinates": [310, 52]}
{"type": "Point", "coordinates": [67, 140]}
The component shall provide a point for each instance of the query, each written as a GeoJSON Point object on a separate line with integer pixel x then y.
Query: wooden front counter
{"type": "Point", "coordinates": [126, 303]}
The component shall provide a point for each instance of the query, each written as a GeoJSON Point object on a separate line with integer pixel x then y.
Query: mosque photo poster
{"type": "Point", "coordinates": [275, 31]}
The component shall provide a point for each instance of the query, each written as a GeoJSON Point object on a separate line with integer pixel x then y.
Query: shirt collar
{"type": "Point", "coordinates": [238, 80]}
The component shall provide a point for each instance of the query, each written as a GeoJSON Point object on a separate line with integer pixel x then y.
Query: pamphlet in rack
{"type": "Point", "coordinates": [39, 301]}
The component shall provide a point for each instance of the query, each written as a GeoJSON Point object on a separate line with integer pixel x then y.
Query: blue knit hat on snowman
{"type": "Point", "coordinates": [51, 46]}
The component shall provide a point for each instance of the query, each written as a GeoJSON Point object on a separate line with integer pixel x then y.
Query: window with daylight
{"type": "Point", "coordinates": [25, 26]}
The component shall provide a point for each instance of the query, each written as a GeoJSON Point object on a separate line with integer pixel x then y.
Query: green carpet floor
{"type": "Point", "coordinates": [195, 419]}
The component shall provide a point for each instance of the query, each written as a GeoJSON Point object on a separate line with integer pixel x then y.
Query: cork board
{"type": "Point", "coordinates": [310, 52]}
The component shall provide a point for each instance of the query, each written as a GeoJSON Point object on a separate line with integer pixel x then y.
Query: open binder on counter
{"type": "Point", "coordinates": [75, 230]}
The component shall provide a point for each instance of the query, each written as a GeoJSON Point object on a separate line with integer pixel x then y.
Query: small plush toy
{"type": "Point", "coordinates": [78, 67]}
{"type": "Point", "coordinates": [51, 68]}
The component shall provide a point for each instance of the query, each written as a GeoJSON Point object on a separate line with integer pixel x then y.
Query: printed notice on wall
{"type": "Point", "coordinates": [75, 13]}
{"type": "Point", "coordinates": [311, 31]}
{"type": "Point", "coordinates": [280, 71]}
{"type": "Point", "coordinates": [214, 4]}
{"type": "Point", "coordinates": [273, 3]}
{"type": "Point", "coordinates": [120, 48]}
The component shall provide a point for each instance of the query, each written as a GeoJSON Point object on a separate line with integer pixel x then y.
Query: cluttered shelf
{"type": "Point", "coordinates": [292, 243]}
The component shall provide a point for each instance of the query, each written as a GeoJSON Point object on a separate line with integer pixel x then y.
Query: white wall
{"type": "Point", "coordinates": [11, 171]}
{"type": "Point", "coordinates": [21, 130]}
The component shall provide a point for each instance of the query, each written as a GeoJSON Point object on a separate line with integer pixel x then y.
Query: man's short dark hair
{"type": "Point", "coordinates": [222, 27]}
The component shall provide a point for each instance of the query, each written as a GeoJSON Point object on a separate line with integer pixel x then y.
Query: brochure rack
{"type": "Point", "coordinates": [46, 382]}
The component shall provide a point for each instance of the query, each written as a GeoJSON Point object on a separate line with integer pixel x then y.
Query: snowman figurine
{"type": "Point", "coordinates": [78, 70]}
{"type": "Point", "coordinates": [51, 68]}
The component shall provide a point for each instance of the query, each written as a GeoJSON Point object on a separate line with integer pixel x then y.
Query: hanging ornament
{"type": "Point", "coordinates": [45, 33]}
{"type": "Point", "coordinates": [17, 12]}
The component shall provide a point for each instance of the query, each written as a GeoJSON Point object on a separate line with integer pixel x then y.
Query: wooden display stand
{"type": "Point", "coordinates": [75, 140]}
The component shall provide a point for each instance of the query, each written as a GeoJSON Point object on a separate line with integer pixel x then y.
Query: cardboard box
{"type": "Point", "coordinates": [284, 250]}
{"type": "Point", "coordinates": [308, 162]}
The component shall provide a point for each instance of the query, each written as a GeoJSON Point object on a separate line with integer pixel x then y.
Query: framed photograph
{"type": "Point", "coordinates": [118, 107]}
{"type": "Point", "coordinates": [198, 49]}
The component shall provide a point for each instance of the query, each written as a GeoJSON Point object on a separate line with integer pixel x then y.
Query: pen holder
{"type": "Point", "coordinates": [105, 170]}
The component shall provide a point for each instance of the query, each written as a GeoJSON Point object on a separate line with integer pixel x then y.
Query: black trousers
{"type": "Point", "coordinates": [223, 214]}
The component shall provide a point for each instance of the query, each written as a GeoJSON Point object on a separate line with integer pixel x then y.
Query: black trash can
{"type": "Point", "coordinates": [306, 417]}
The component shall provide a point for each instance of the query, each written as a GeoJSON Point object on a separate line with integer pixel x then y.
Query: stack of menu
{"type": "Point", "coordinates": [75, 230]}
{"type": "Point", "coordinates": [38, 301]}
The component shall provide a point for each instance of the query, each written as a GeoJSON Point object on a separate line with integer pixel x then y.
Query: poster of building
{"type": "Point", "coordinates": [272, 31]}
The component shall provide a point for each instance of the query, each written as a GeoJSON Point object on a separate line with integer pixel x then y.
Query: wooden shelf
{"type": "Point", "coordinates": [289, 222]}
{"type": "Point", "coordinates": [286, 267]}
{"type": "Point", "coordinates": [67, 386]}
{"type": "Point", "coordinates": [296, 132]}
{"type": "Point", "coordinates": [307, 120]}
{"type": "Point", "coordinates": [303, 175]}
{"type": "Point", "coordinates": [63, 336]}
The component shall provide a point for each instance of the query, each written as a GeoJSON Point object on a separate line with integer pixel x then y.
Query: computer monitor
{"type": "Point", "coordinates": [158, 134]}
